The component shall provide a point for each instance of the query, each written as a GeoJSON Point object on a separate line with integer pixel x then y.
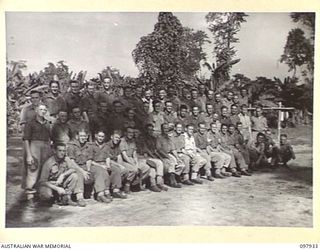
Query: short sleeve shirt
{"type": "Point", "coordinates": [79, 153]}
{"type": "Point", "coordinates": [100, 152]}
{"type": "Point", "coordinates": [259, 123]}
{"type": "Point", "coordinates": [165, 144]}
{"type": "Point", "coordinates": [201, 140]}
{"type": "Point", "coordinates": [52, 169]}
{"type": "Point", "coordinates": [129, 146]}
{"type": "Point", "coordinates": [36, 131]}
{"type": "Point", "coordinates": [113, 151]}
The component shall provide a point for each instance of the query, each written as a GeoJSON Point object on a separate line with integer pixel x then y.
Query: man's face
{"type": "Point", "coordinates": [63, 116]}
{"type": "Point", "coordinates": [244, 110]}
{"type": "Point", "coordinates": [209, 109]}
{"type": "Point", "coordinates": [218, 97]}
{"type": "Point", "coordinates": [202, 129]}
{"type": "Point", "coordinates": [236, 99]}
{"type": "Point", "coordinates": [195, 111]}
{"type": "Point", "coordinates": [146, 107]}
{"type": "Point", "coordinates": [162, 94]}
{"type": "Point", "coordinates": [190, 130]}
{"type": "Point", "coordinates": [117, 107]}
{"type": "Point", "coordinates": [165, 129]}
{"type": "Point", "coordinates": [54, 88]}
{"type": "Point", "coordinates": [60, 152]}
{"type": "Point", "coordinates": [130, 133]}
{"type": "Point", "coordinates": [150, 130]}
{"type": "Point", "coordinates": [283, 140]}
{"type": "Point", "coordinates": [106, 83]}
{"type": "Point", "coordinates": [136, 133]}
{"type": "Point", "coordinates": [115, 138]}
{"type": "Point", "coordinates": [215, 116]}
{"type": "Point", "coordinates": [224, 129]}
{"type": "Point", "coordinates": [127, 92]}
{"type": "Point", "coordinates": [259, 111]}
{"type": "Point", "coordinates": [179, 129]}
{"type": "Point", "coordinates": [100, 137]}
{"type": "Point", "coordinates": [194, 94]}
{"type": "Point", "coordinates": [35, 99]}
{"type": "Point", "coordinates": [75, 88]}
{"type": "Point", "coordinates": [76, 112]}
{"type": "Point", "coordinates": [157, 107]}
{"type": "Point", "coordinates": [239, 126]}
{"type": "Point", "coordinates": [243, 92]}
{"type": "Point", "coordinates": [234, 110]}
{"type": "Point", "coordinates": [229, 95]}
{"type": "Point", "coordinates": [169, 107]}
{"type": "Point", "coordinates": [90, 89]}
{"type": "Point", "coordinates": [214, 128]}
{"type": "Point", "coordinates": [202, 89]}
{"type": "Point", "coordinates": [131, 114]}
{"type": "Point", "coordinates": [103, 107]}
{"type": "Point", "coordinates": [183, 112]}
{"type": "Point", "coordinates": [224, 111]}
{"type": "Point", "coordinates": [260, 139]}
{"type": "Point", "coordinates": [231, 129]}
{"type": "Point", "coordinates": [41, 110]}
{"type": "Point", "coordinates": [138, 91]}
{"type": "Point", "coordinates": [147, 94]}
{"type": "Point", "coordinates": [82, 137]}
{"type": "Point", "coordinates": [171, 91]}
{"type": "Point", "coordinates": [210, 95]}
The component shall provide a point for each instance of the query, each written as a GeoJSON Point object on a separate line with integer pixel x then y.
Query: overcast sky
{"type": "Point", "coordinates": [92, 41]}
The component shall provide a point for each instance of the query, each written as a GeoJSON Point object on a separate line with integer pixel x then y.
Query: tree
{"type": "Point", "coordinates": [297, 51]}
{"type": "Point", "coordinates": [224, 27]}
{"type": "Point", "coordinates": [171, 54]}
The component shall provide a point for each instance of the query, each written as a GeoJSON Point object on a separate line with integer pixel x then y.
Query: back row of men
{"type": "Point", "coordinates": [148, 142]}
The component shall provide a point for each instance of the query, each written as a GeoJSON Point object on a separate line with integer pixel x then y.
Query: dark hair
{"type": "Point", "coordinates": [224, 125]}
{"type": "Point", "coordinates": [53, 81]}
{"type": "Point", "coordinates": [62, 110]}
{"type": "Point", "coordinates": [284, 135]}
{"type": "Point", "coordinates": [190, 125]}
{"type": "Point", "coordinates": [182, 106]}
{"type": "Point", "coordinates": [34, 91]}
{"type": "Point", "coordinates": [234, 105]}
{"type": "Point", "coordinates": [99, 131]}
{"type": "Point", "coordinates": [74, 81]}
{"type": "Point", "coordinates": [244, 105]}
{"type": "Point", "coordinates": [59, 144]}
{"type": "Point", "coordinates": [201, 123]}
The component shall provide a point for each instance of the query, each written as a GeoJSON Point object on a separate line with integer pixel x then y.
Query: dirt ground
{"type": "Point", "coordinates": [282, 198]}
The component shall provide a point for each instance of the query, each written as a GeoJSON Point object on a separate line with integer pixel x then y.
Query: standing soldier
{"type": "Point", "coordinates": [54, 100]}
{"type": "Point", "coordinates": [77, 123]}
{"type": "Point", "coordinates": [28, 112]}
{"type": "Point", "coordinates": [37, 150]}
{"type": "Point", "coordinates": [157, 117]}
{"type": "Point", "coordinates": [234, 116]}
{"type": "Point", "coordinates": [106, 95]}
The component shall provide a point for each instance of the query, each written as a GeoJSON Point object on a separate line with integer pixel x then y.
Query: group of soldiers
{"type": "Point", "coordinates": [91, 142]}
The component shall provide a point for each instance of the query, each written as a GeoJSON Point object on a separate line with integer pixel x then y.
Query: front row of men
{"type": "Point", "coordinates": [122, 164]}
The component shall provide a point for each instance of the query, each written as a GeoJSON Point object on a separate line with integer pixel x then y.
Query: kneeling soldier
{"type": "Point", "coordinates": [59, 178]}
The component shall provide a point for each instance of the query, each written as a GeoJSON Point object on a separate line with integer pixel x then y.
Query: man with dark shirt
{"type": "Point", "coordinates": [195, 117]}
{"type": "Point", "coordinates": [36, 137]}
{"type": "Point", "coordinates": [28, 112]}
{"type": "Point", "coordinates": [61, 131]}
{"type": "Point", "coordinates": [169, 114]}
{"type": "Point", "coordinates": [54, 100]}
{"type": "Point", "coordinates": [77, 123]}
{"type": "Point", "coordinates": [75, 99]}
{"type": "Point", "coordinates": [182, 117]}
{"type": "Point", "coordinates": [224, 118]}
{"type": "Point", "coordinates": [218, 103]}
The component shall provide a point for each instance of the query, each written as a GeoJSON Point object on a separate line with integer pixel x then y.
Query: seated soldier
{"type": "Point", "coordinates": [81, 153]}
{"type": "Point", "coordinates": [100, 155]}
{"type": "Point", "coordinates": [61, 131]}
{"type": "Point", "coordinates": [258, 158]}
{"type": "Point", "coordinates": [128, 150]}
{"type": "Point", "coordinates": [54, 100]}
{"type": "Point", "coordinates": [197, 161]}
{"type": "Point", "coordinates": [235, 141]}
{"type": "Point", "coordinates": [285, 152]}
{"type": "Point", "coordinates": [201, 140]}
{"type": "Point", "coordinates": [183, 116]}
{"type": "Point", "coordinates": [59, 178]}
{"type": "Point", "coordinates": [114, 160]}
{"type": "Point", "coordinates": [214, 146]}
{"type": "Point", "coordinates": [169, 114]}
{"type": "Point", "coordinates": [179, 143]}
{"type": "Point", "coordinates": [77, 123]}
{"type": "Point", "coordinates": [148, 149]}
{"type": "Point", "coordinates": [173, 165]}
